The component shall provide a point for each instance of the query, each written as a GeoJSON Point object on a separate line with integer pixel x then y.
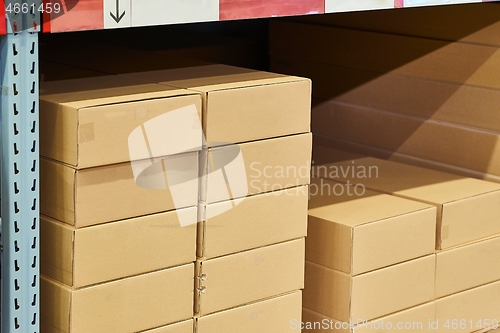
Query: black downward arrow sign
{"type": "Point", "coordinates": [117, 17]}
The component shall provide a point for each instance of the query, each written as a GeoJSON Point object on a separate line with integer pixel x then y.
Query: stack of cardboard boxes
{"type": "Point", "coordinates": [250, 262]}
{"type": "Point", "coordinates": [370, 252]}
{"type": "Point", "coordinates": [367, 256]}
{"type": "Point", "coordinates": [174, 205]}
{"type": "Point", "coordinates": [107, 244]}
{"type": "Point", "coordinates": [390, 85]}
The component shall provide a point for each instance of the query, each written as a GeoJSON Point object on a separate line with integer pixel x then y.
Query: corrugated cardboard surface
{"type": "Point", "coordinates": [182, 327]}
{"type": "Point", "coordinates": [102, 194]}
{"type": "Point", "coordinates": [271, 164]}
{"type": "Point", "coordinates": [81, 257]}
{"type": "Point", "coordinates": [370, 295]}
{"type": "Point", "coordinates": [458, 145]}
{"type": "Point", "coordinates": [467, 266]}
{"type": "Point", "coordinates": [257, 221]}
{"type": "Point", "coordinates": [316, 322]}
{"type": "Point", "coordinates": [241, 104]}
{"type": "Point", "coordinates": [401, 158]}
{"type": "Point", "coordinates": [249, 276]}
{"type": "Point", "coordinates": [428, 99]}
{"type": "Point", "coordinates": [473, 309]}
{"type": "Point", "coordinates": [460, 201]}
{"type": "Point", "coordinates": [358, 233]}
{"type": "Point", "coordinates": [413, 320]}
{"type": "Point", "coordinates": [270, 316]}
{"type": "Point", "coordinates": [128, 305]}
{"type": "Point", "coordinates": [87, 122]}
{"type": "Point", "coordinates": [426, 58]}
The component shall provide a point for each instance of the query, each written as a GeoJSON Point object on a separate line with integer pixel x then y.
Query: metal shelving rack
{"type": "Point", "coordinates": [19, 171]}
{"type": "Point", "coordinates": [20, 160]}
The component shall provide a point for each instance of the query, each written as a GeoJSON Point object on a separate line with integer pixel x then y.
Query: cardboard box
{"type": "Point", "coordinates": [81, 257]}
{"type": "Point", "coordinates": [362, 231]}
{"type": "Point", "coordinates": [426, 58]}
{"type": "Point", "coordinates": [458, 145]}
{"type": "Point", "coordinates": [95, 121]}
{"type": "Point", "coordinates": [127, 305]}
{"type": "Point", "coordinates": [420, 97]}
{"type": "Point", "coordinates": [111, 193]}
{"type": "Point", "coordinates": [237, 279]}
{"type": "Point", "coordinates": [460, 201]}
{"type": "Point", "coordinates": [415, 319]}
{"type": "Point", "coordinates": [257, 221]}
{"type": "Point", "coordinates": [401, 158]}
{"type": "Point", "coordinates": [467, 266]}
{"type": "Point", "coordinates": [267, 165]}
{"type": "Point", "coordinates": [270, 316]}
{"type": "Point", "coordinates": [470, 311]}
{"type": "Point", "coordinates": [181, 327]}
{"type": "Point", "coordinates": [242, 105]}
{"type": "Point", "coordinates": [467, 23]}
{"type": "Point", "coordinates": [371, 295]}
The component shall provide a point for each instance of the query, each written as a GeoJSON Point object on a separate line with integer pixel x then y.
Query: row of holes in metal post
{"type": "Point", "coordinates": [16, 189]}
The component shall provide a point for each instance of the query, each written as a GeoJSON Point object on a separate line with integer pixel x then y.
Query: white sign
{"type": "Point", "coordinates": [117, 14]}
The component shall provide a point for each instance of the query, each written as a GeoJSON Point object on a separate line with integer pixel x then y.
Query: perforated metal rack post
{"type": "Point", "coordinates": [19, 169]}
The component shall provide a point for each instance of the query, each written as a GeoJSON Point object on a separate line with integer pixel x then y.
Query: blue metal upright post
{"type": "Point", "coordinates": [20, 269]}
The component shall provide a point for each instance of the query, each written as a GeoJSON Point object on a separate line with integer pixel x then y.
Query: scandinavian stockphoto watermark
{"type": "Point", "coordinates": [165, 153]}
{"type": "Point", "coordinates": [265, 178]}
{"type": "Point", "coordinates": [170, 152]}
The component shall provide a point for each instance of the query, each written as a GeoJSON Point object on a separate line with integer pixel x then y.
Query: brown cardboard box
{"type": "Point", "coordinates": [415, 319]}
{"type": "Point", "coordinates": [371, 295]}
{"type": "Point", "coordinates": [460, 201]}
{"type": "Point", "coordinates": [181, 327]}
{"type": "Point", "coordinates": [90, 122]}
{"type": "Point", "coordinates": [127, 305]}
{"type": "Point", "coordinates": [110, 193]}
{"type": "Point", "coordinates": [257, 221]}
{"type": "Point", "coordinates": [428, 99]}
{"type": "Point", "coordinates": [461, 146]}
{"type": "Point", "coordinates": [467, 266]}
{"type": "Point", "coordinates": [470, 311]}
{"type": "Point", "coordinates": [81, 257]}
{"type": "Point", "coordinates": [401, 158]}
{"type": "Point", "coordinates": [270, 316]}
{"type": "Point", "coordinates": [242, 105]}
{"type": "Point", "coordinates": [359, 232]}
{"type": "Point", "coordinates": [269, 165]}
{"type": "Point", "coordinates": [237, 279]}
{"type": "Point", "coordinates": [467, 23]}
{"type": "Point", "coordinates": [425, 58]}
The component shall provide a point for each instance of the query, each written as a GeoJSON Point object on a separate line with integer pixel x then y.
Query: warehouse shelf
{"type": "Point", "coordinates": [19, 101]}
{"type": "Point", "coordinates": [78, 15]}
